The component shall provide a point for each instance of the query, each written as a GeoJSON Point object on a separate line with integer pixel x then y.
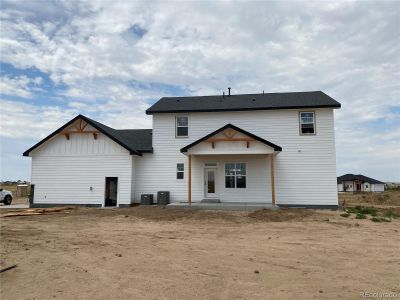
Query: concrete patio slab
{"type": "Point", "coordinates": [239, 206]}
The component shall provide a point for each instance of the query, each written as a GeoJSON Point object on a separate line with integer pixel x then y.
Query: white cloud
{"type": "Point", "coordinates": [362, 150]}
{"type": "Point", "coordinates": [22, 120]}
{"type": "Point", "coordinates": [20, 86]}
{"type": "Point", "coordinates": [112, 57]}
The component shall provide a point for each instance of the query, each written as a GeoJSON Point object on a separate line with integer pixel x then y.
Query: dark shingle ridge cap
{"type": "Point", "coordinates": [128, 129]}
{"type": "Point", "coordinates": [238, 95]}
{"type": "Point", "coordinates": [243, 102]}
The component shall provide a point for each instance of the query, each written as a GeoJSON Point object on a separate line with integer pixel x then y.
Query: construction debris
{"type": "Point", "coordinates": [8, 268]}
{"type": "Point", "coordinates": [38, 211]}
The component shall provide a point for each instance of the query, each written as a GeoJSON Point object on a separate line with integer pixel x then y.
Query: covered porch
{"type": "Point", "coordinates": [231, 167]}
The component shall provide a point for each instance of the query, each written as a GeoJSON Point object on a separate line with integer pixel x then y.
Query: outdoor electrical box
{"type": "Point", "coordinates": [163, 198]}
{"type": "Point", "coordinates": [146, 199]}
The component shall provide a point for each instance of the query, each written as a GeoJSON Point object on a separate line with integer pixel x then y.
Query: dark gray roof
{"type": "Point", "coordinates": [352, 177]}
{"type": "Point", "coordinates": [267, 101]}
{"type": "Point", "coordinates": [136, 141]}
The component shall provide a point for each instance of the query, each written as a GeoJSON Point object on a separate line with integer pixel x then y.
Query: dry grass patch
{"type": "Point", "coordinates": [282, 215]}
{"type": "Point", "coordinates": [387, 198]}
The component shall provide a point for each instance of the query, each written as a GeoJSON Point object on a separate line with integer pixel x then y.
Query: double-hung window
{"type": "Point", "coordinates": [182, 126]}
{"type": "Point", "coordinates": [235, 175]}
{"type": "Point", "coordinates": [180, 170]}
{"type": "Point", "coordinates": [307, 123]}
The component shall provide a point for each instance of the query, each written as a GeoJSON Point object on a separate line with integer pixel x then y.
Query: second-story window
{"type": "Point", "coordinates": [307, 123]}
{"type": "Point", "coordinates": [182, 126]}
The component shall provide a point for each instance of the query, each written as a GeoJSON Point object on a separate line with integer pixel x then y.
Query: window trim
{"type": "Point", "coordinates": [176, 126]}
{"type": "Point", "coordinates": [177, 171]}
{"type": "Point", "coordinates": [235, 187]}
{"type": "Point", "coordinates": [314, 118]}
{"type": "Point", "coordinates": [210, 164]}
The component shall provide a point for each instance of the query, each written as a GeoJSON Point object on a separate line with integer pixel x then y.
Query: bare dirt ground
{"type": "Point", "coordinates": [156, 253]}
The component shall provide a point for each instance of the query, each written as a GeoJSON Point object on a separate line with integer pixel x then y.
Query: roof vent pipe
{"type": "Point", "coordinates": [223, 94]}
{"type": "Point", "coordinates": [229, 91]}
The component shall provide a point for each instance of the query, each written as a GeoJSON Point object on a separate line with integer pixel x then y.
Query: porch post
{"type": "Point", "coordinates": [272, 178]}
{"type": "Point", "coordinates": [190, 180]}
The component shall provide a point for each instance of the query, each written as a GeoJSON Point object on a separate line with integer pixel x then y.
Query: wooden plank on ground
{"type": "Point", "coordinates": [38, 211]}
{"type": "Point", "coordinates": [8, 268]}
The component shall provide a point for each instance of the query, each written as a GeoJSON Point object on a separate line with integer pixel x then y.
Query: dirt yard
{"type": "Point", "coordinates": [156, 253]}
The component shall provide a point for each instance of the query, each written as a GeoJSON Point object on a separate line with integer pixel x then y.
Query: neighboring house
{"type": "Point", "coordinates": [276, 148]}
{"type": "Point", "coordinates": [392, 185]}
{"type": "Point", "coordinates": [359, 183]}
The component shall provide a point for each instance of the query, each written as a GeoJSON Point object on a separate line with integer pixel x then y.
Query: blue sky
{"type": "Point", "coordinates": [110, 60]}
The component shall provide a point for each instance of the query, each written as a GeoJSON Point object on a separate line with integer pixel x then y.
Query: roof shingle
{"type": "Point", "coordinates": [267, 101]}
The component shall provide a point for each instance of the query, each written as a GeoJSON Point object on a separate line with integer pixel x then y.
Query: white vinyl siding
{"type": "Point", "coordinates": [305, 170]}
{"type": "Point", "coordinates": [64, 170]}
{"type": "Point", "coordinates": [258, 179]}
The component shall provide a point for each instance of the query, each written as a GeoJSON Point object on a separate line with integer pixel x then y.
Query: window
{"type": "Point", "coordinates": [180, 169]}
{"type": "Point", "coordinates": [307, 123]}
{"type": "Point", "coordinates": [182, 126]}
{"type": "Point", "coordinates": [235, 175]}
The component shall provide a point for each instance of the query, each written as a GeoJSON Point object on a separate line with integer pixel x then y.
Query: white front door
{"type": "Point", "coordinates": [210, 183]}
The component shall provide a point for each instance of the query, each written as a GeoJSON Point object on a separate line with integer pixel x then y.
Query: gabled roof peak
{"type": "Point", "coordinates": [136, 142]}
{"type": "Point", "coordinates": [257, 138]}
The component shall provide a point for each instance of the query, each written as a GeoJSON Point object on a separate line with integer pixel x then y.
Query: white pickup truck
{"type": "Point", "coordinates": [5, 196]}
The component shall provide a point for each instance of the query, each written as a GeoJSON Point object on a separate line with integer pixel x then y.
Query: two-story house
{"type": "Point", "coordinates": [276, 148]}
